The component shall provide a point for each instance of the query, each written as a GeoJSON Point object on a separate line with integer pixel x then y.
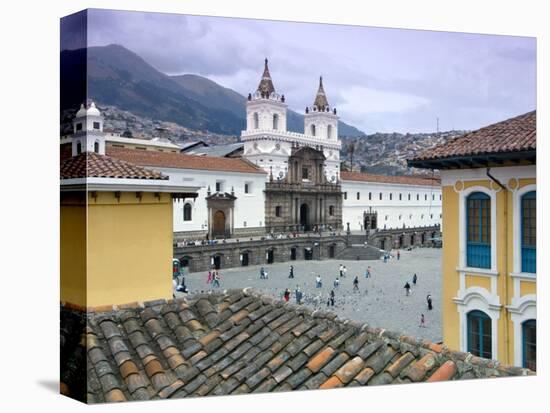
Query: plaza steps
{"type": "Point", "coordinates": [360, 252]}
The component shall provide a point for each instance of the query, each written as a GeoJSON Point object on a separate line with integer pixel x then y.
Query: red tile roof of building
{"type": "Point", "coordinates": [512, 135]}
{"type": "Point", "coordinates": [93, 165]}
{"type": "Point", "coordinates": [183, 161]}
{"type": "Point", "coordinates": [236, 342]}
{"type": "Point", "coordinates": [389, 179]}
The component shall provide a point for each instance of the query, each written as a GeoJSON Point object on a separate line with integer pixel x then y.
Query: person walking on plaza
{"type": "Point", "coordinates": [356, 283]}
{"type": "Point", "coordinates": [332, 297]}
{"type": "Point", "coordinates": [336, 282]}
{"type": "Point", "coordinates": [422, 321]}
{"type": "Point", "coordinates": [262, 273]}
{"type": "Point", "coordinates": [209, 278]}
{"type": "Point", "coordinates": [298, 294]}
{"type": "Point", "coordinates": [385, 258]}
{"type": "Point", "coordinates": [429, 300]}
{"type": "Point", "coordinates": [216, 282]}
{"type": "Point", "coordinates": [368, 272]}
{"type": "Point", "coordinates": [318, 282]}
{"type": "Point", "coordinates": [344, 271]}
{"type": "Point", "coordinates": [407, 288]}
{"type": "Point", "coordinates": [414, 279]}
{"type": "Point", "coordinates": [286, 295]}
{"type": "Point", "coordinates": [398, 255]}
{"type": "Point", "coordinates": [341, 270]}
{"type": "Point", "coordinates": [291, 272]}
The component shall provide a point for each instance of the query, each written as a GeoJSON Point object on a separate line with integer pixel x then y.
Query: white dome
{"type": "Point", "coordinates": [93, 111]}
{"type": "Point", "coordinates": [81, 112]}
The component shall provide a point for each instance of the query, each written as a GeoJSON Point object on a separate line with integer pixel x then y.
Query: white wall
{"type": "Point", "coordinates": [414, 213]}
{"type": "Point", "coordinates": [249, 208]}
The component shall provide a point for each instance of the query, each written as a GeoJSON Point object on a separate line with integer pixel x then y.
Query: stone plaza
{"type": "Point", "coordinates": [381, 300]}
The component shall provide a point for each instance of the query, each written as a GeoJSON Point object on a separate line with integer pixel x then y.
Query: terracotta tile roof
{"type": "Point", "coordinates": [237, 342]}
{"type": "Point", "coordinates": [184, 161]}
{"type": "Point", "coordinates": [389, 179]}
{"type": "Point", "coordinates": [512, 135]}
{"type": "Point", "coordinates": [93, 165]}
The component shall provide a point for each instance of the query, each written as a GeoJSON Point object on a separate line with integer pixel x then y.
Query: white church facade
{"type": "Point", "coordinates": [238, 195]}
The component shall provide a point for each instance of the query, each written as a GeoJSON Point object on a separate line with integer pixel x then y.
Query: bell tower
{"type": "Point", "coordinates": [88, 131]}
{"type": "Point", "coordinates": [320, 120]}
{"type": "Point", "coordinates": [265, 108]}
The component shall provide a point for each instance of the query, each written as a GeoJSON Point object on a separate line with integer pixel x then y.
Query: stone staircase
{"type": "Point", "coordinates": [360, 252]}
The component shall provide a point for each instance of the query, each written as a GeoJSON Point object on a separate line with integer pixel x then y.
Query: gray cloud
{"type": "Point", "coordinates": [383, 79]}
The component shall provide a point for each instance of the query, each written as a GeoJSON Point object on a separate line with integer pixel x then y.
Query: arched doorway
{"type": "Point", "coordinates": [269, 256]}
{"type": "Point", "coordinates": [185, 262]}
{"type": "Point", "coordinates": [412, 240]}
{"type": "Point", "coordinates": [423, 238]}
{"type": "Point", "coordinates": [308, 254]}
{"type": "Point", "coordinates": [217, 262]}
{"type": "Point", "coordinates": [383, 244]}
{"type": "Point", "coordinates": [218, 227]}
{"type": "Point", "coordinates": [401, 241]}
{"type": "Point", "coordinates": [245, 258]}
{"type": "Point", "coordinates": [304, 217]}
{"type": "Point", "coordinates": [331, 251]}
{"type": "Point", "coordinates": [293, 254]}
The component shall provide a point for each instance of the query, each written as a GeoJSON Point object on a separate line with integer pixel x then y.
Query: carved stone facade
{"type": "Point", "coordinates": [303, 200]}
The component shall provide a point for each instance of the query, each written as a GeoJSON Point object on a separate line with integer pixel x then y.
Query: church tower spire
{"type": "Point", "coordinates": [320, 120]}
{"type": "Point", "coordinates": [266, 88]}
{"type": "Point", "coordinates": [321, 101]}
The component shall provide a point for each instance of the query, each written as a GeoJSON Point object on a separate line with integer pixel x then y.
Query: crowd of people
{"type": "Point", "coordinates": [213, 278]}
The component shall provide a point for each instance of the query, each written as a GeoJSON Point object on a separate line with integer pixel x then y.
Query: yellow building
{"type": "Point", "coordinates": [489, 239]}
{"type": "Point", "coordinates": [116, 223]}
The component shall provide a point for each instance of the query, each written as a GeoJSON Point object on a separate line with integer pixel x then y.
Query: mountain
{"type": "Point", "coordinates": [120, 78]}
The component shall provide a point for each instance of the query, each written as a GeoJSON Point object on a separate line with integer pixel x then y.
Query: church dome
{"type": "Point", "coordinates": [81, 112]}
{"type": "Point", "coordinates": [93, 111]}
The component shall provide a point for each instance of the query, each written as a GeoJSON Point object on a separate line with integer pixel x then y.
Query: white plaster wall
{"type": "Point", "coordinates": [321, 120]}
{"type": "Point", "coordinates": [411, 211]}
{"type": "Point", "coordinates": [265, 109]}
{"type": "Point", "coordinates": [249, 208]}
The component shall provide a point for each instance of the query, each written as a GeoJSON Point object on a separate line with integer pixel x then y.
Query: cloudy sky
{"type": "Point", "coordinates": [379, 79]}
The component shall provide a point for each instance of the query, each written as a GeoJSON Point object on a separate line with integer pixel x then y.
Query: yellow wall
{"type": "Point", "coordinates": [527, 287]}
{"type": "Point", "coordinates": [115, 251]}
{"type": "Point", "coordinates": [73, 248]}
{"type": "Point", "coordinates": [129, 248]}
{"type": "Point", "coordinates": [505, 245]}
{"type": "Point", "coordinates": [478, 281]}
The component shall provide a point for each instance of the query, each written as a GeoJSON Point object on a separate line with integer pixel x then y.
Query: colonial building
{"type": "Point", "coordinates": [375, 202]}
{"type": "Point", "coordinates": [489, 243]}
